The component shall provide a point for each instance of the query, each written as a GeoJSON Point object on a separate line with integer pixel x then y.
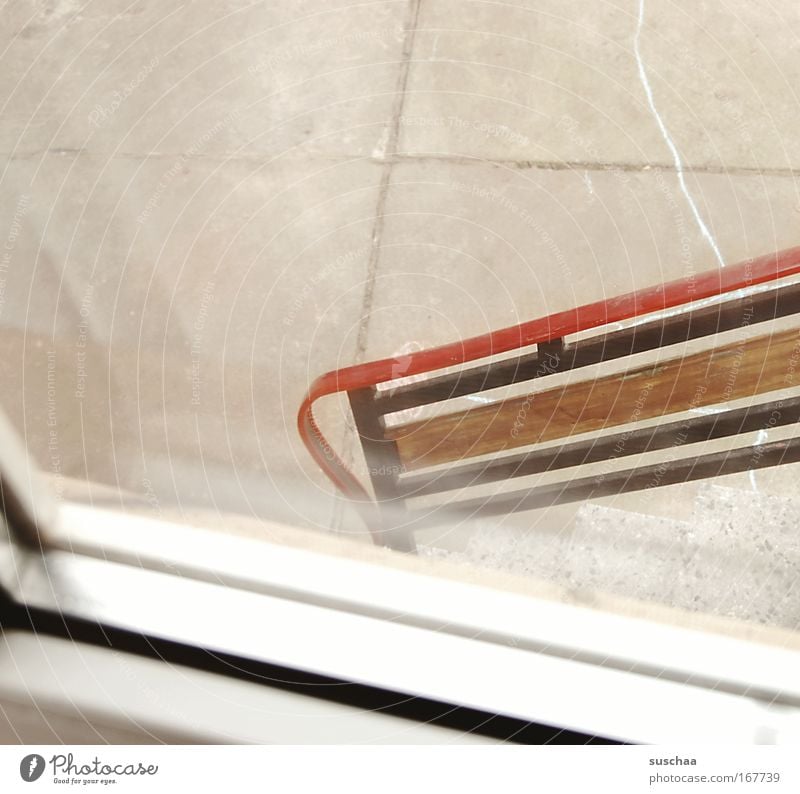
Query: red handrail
{"type": "Point", "coordinates": [591, 315]}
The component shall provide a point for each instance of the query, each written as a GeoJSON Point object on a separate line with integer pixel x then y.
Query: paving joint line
{"type": "Point", "coordinates": [395, 158]}
{"type": "Point", "coordinates": [387, 158]}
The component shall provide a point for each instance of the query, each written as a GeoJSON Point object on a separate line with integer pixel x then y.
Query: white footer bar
{"type": "Point", "coordinates": [399, 770]}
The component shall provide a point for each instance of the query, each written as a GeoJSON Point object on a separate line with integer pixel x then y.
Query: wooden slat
{"type": "Point", "coordinates": [736, 370]}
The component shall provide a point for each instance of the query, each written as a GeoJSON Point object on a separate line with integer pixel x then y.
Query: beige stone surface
{"type": "Point", "coordinates": [213, 79]}
{"type": "Point", "coordinates": [562, 82]}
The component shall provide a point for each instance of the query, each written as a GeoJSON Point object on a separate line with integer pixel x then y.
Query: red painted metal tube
{"type": "Point", "coordinates": [591, 315]}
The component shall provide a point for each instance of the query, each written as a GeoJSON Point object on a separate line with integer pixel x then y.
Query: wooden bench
{"type": "Point", "coordinates": [513, 435]}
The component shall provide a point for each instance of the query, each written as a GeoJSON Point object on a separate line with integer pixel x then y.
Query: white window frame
{"type": "Point", "coordinates": [401, 627]}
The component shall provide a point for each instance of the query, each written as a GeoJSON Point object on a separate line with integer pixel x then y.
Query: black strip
{"type": "Point", "coordinates": [367, 698]}
{"type": "Point", "coordinates": [716, 464]}
{"type": "Point", "coordinates": [663, 331]}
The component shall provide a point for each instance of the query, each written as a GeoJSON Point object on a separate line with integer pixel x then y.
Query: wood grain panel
{"type": "Point", "coordinates": [733, 371]}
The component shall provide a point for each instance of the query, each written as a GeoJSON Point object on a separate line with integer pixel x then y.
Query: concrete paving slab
{"type": "Point", "coordinates": [228, 78]}
{"type": "Point", "coordinates": [554, 82]}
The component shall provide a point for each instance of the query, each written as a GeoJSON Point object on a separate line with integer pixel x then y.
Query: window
{"type": "Point", "coordinates": [204, 209]}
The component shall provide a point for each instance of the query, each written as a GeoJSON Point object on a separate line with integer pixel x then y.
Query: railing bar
{"type": "Point", "coordinates": [744, 311]}
{"type": "Point", "coordinates": [716, 464]}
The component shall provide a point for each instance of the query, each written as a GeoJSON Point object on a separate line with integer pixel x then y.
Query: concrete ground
{"type": "Point", "coordinates": [206, 205]}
